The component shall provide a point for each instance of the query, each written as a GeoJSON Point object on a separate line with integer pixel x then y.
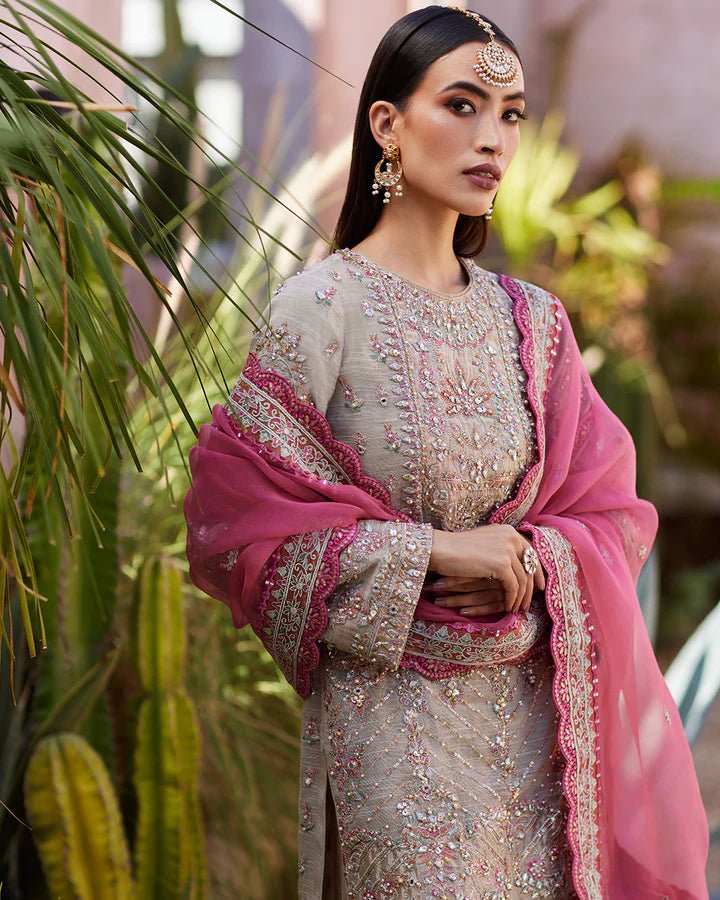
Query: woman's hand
{"type": "Point", "coordinates": [476, 596]}
{"type": "Point", "coordinates": [490, 552]}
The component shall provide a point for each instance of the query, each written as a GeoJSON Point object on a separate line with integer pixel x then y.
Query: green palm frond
{"type": "Point", "coordinates": [74, 177]}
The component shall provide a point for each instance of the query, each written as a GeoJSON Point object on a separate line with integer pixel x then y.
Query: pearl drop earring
{"type": "Point", "coordinates": [392, 174]}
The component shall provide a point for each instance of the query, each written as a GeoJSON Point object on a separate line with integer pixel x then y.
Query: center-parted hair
{"type": "Point", "coordinates": [407, 49]}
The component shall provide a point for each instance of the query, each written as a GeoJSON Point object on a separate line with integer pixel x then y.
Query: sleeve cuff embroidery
{"type": "Point", "coordinates": [382, 575]}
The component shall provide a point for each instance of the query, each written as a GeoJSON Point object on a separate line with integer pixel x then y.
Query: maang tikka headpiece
{"type": "Point", "coordinates": [494, 64]}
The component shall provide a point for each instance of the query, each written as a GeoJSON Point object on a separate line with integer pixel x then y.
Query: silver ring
{"type": "Point", "coordinates": [530, 560]}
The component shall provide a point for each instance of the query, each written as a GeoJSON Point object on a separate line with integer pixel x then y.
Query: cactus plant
{"type": "Point", "coordinates": [169, 852]}
{"type": "Point", "coordinates": [76, 822]}
{"type": "Point", "coordinates": [69, 796]}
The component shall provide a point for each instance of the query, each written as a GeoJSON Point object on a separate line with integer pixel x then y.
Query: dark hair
{"type": "Point", "coordinates": [409, 47]}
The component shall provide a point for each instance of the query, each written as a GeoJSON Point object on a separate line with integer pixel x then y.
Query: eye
{"type": "Point", "coordinates": [453, 104]}
{"type": "Point", "coordinates": [516, 112]}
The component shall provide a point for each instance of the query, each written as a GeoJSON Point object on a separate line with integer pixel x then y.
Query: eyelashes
{"type": "Point", "coordinates": [516, 112]}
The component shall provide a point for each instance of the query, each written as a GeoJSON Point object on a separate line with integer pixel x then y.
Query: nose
{"type": "Point", "coordinates": [490, 136]}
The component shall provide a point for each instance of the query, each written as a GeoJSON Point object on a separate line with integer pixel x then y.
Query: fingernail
{"type": "Point", "coordinates": [440, 582]}
{"type": "Point", "coordinates": [441, 603]}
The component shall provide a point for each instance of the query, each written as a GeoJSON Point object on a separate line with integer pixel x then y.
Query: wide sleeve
{"type": "Point", "coordinates": [381, 565]}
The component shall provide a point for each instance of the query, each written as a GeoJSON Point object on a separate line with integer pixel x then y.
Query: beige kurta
{"type": "Point", "coordinates": [413, 787]}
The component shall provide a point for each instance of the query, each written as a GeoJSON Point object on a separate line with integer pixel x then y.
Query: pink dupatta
{"type": "Point", "coordinates": [267, 469]}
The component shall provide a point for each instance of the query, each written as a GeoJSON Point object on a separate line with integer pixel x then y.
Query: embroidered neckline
{"type": "Point", "coordinates": [467, 264]}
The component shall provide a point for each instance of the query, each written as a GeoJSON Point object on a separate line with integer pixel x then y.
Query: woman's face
{"type": "Point", "coordinates": [454, 121]}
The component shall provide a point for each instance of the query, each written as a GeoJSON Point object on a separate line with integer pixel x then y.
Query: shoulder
{"type": "Point", "coordinates": [304, 306]}
{"type": "Point", "coordinates": [535, 294]}
{"type": "Point", "coordinates": [300, 333]}
{"type": "Point", "coordinates": [547, 313]}
{"type": "Point", "coordinates": [318, 286]}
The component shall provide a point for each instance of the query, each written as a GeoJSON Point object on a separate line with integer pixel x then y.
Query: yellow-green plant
{"type": "Point", "coordinates": [76, 822]}
{"type": "Point", "coordinates": [69, 796]}
{"type": "Point", "coordinates": [169, 849]}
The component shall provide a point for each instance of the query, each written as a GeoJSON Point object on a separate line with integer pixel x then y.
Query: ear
{"type": "Point", "coordinates": [384, 117]}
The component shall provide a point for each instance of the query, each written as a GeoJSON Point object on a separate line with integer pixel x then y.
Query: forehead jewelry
{"type": "Point", "coordinates": [494, 64]}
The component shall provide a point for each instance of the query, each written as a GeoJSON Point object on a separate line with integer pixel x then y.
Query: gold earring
{"type": "Point", "coordinates": [392, 174]}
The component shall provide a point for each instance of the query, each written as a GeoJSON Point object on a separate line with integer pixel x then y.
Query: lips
{"type": "Point", "coordinates": [482, 180]}
{"type": "Point", "coordinates": [485, 170]}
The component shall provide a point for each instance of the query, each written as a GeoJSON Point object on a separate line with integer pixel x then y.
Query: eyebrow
{"type": "Point", "coordinates": [481, 92]}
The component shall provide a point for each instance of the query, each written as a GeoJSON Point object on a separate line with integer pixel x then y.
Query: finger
{"type": "Point", "coordinates": [539, 577]}
{"type": "Point", "coordinates": [471, 588]}
{"type": "Point", "coordinates": [510, 584]}
{"type": "Point", "coordinates": [527, 598]}
{"type": "Point", "coordinates": [473, 598]}
{"type": "Point", "coordinates": [452, 601]}
{"type": "Point", "coordinates": [522, 578]}
{"type": "Point", "coordinates": [483, 609]}
{"type": "Point", "coordinates": [461, 582]}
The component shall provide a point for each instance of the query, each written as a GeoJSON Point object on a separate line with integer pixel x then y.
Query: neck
{"type": "Point", "coordinates": [416, 241]}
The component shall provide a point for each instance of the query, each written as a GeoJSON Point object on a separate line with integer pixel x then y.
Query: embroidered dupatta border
{"type": "Point", "coordinates": [301, 576]}
{"type": "Point", "coordinates": [441, 650]}
{"type": "Point", "coordinates": [302, 573]}
{"type": "Point", "coordinates": [266, 406]}
{"type": "Point", "coordinates": [574, 691]}
{"type": "Point", "coordinates": [574, 681]}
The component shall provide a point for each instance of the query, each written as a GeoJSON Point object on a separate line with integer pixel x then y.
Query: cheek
{"type": "Point", "coordinates": [512, 143]}
{"type": "Point", "coordinates": [450, 133]}
{"type": "Point", "coordinates": [439, 139]}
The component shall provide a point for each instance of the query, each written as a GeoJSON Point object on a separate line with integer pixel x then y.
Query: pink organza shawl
{"type": "Point", "coordinates": [636, 822]}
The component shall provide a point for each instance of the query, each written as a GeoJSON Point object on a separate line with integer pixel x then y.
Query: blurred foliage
{"type": "Point", "coordinates": [69, 796]}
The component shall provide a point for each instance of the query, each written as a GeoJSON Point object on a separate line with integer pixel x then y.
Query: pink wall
{"type": "Point", "coordinates": [646, 67]}
{"type": "Point", "coordinates": [101, 17]}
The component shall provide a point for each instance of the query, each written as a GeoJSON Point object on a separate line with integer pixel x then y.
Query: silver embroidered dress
{"type": "Point", "coordinates": [411, 786]}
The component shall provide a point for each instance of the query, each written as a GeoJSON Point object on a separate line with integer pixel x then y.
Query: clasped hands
{"type": "Point", "coordinates": [498, 581]}
{"type": "Point", "coordinates": [474, 596]}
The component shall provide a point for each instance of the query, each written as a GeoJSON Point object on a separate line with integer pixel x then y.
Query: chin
{"type": "Point", "coordinates": [471, 209]}
{"type": "Point", "coordinates": [470, 203]}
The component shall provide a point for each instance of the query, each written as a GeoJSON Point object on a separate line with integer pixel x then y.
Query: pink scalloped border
{"type": "Point", "coordinates": [566, 735]}
{"type": "Point", "coordinates": [279, 388]}
{"type": "Point", "coordinates": [307, 654]}
{"type": "Point", "coordinates": [558, 650]}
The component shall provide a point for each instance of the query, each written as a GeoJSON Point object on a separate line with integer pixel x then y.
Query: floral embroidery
{"type": "Point", "coordinates": [462, 394]}
{"type": "Point", "coordinates": [444, 791]}
{"type": "Point", "coordinates": [391, 439]}
{"type": "Point", "coordinates": [325, 296]}
{"type": "Point", "coordinates": [352, 401]}
{"type": "Point", "coordinates": [377, 349]}
{"type": "Point", "coordinates": [456, 472]}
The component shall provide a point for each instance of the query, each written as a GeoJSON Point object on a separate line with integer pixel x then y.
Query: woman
{"type": "Point", "coordinates": [420, 503]}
